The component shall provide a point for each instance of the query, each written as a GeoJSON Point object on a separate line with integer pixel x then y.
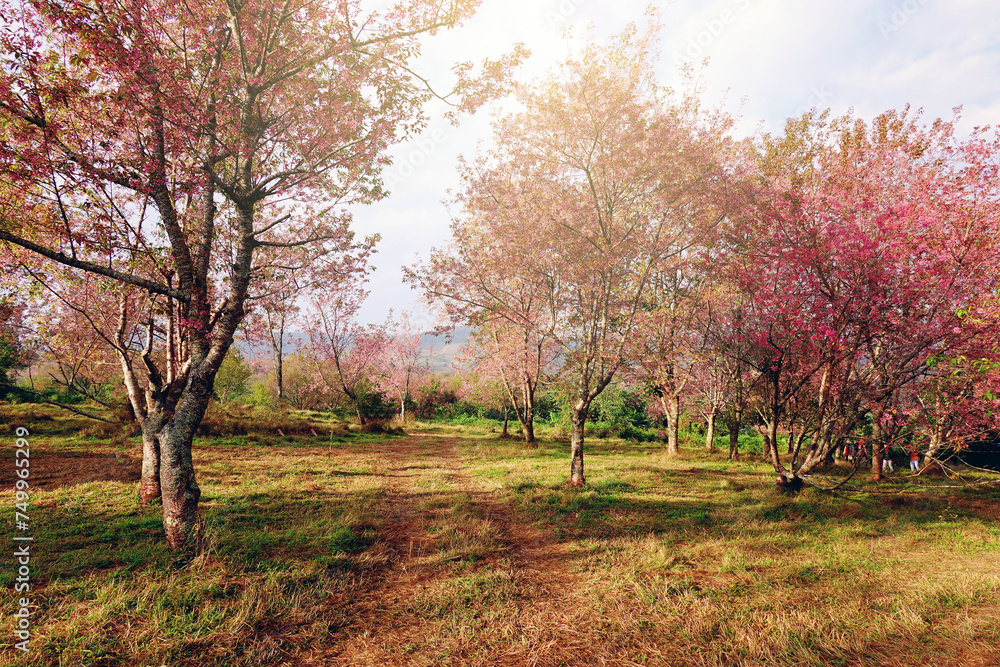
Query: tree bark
{"type": "Point", "coordinates": [710, 432]}
{"type": "Point", "coordinates": [178, 485]}
{"type": "Point", "coordinates": [529, 434]}
{"type": "Point", "coordinates": [180, 491]}
{"type": "Point", "coordinates": [672, 410]}
{"type": "Point", "coordinates": [578, 418]}
{"type": "Point", "coordinates": [735, 422]}
{"type": "Point", "coordinates": [877, 446]}
{"type": "Point", "coordinates": [938, 437]}
{"type": "Point", "coordinates": [149, 484]}
{"type": "Point", "coordinates": [771, 442]}
{"type": "Point", "coordinates": [528, 423]}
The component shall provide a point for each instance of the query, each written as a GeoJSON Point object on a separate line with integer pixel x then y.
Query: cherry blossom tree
{"type": "Point", "coordinates": [857, 255]}
{"type": "Point", "coordinates": [482, 390]}
{"type": "Point", "coordinates": [665, 347]}
{"type": "Point", "coordinates": [347, 358]}
{"type": "Point", "coordinates": [404, 361]}
{"type": "Point", "coordinates": [711, 388]}
{"type": "Point", "coordinates": [515, 359]}
{"type": "Point", "coordinates": [161, 145]}
{"type": "Point", "coordinates": [290, 274]}
{"type": "Point", "coordinates": [609, 173]}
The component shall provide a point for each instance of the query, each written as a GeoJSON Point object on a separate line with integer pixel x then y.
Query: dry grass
{"type": "Point", "coordinates": [451, 547]}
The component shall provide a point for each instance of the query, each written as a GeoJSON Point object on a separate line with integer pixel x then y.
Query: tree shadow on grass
{"type": "Point", "coordinates": [331, 553]}
{"type": "Point", "coordinates": [614, 509]}
{"type": "Point", "coordinates": [300, 568]}
{"type": "Point", "coordinates": [51, 470]}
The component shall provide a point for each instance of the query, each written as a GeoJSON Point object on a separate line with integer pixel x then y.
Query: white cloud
{"type": "Point", "coordinates": [780, 56]}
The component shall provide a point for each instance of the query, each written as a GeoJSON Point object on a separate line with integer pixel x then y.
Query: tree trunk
{"type": "Point", "coordinates": [735, 422]}
{"type": "Point", "coordinates": [177, 480]}
{"type": "Point", "coordinates": [710, 431]}
{"type": "Point", "coordinates": [877, 475]}
{"type": "Point", "coordinates": [877, 447]}
{"type": "Point", "coordinates": [279, 356]}
{"type": "Point", "coordinates": [149, 484]}
{"type": "Point", "coordinates": [770, 442]}
{"type": "Point", "coordinates": [354, 398]}
{"type": "Point", "coordinates": [279, 375]}
{"type": "Point", "coordinates": [672, 410]}
{"type": "Point", "coordinates": [785, 481]}
{"type": "Point", "coordinates": [938, 437]}
{"type": "Point", "coordinates": [528, 423]}
{"type": "Point", "coordinates": [578, 417]}
{"type": "Point", "coordinates": [180, 490]}
{"type": "Point", "coordinates": [525, 410]}
{"type": "Point", "coordinates": [795, 446]}
{"type": "Point", "coordinates": [506, 418]}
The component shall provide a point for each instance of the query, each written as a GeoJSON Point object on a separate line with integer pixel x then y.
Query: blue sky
{"type": "Point", "coordinates": [768, 60]}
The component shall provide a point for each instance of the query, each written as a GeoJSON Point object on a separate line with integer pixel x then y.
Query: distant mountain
{"type": "Point", "coordinates": [444, 349]}
{"type": "Point", "coordinates": [263, 350]}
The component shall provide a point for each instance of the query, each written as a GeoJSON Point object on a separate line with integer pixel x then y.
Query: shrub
{"type": "Point", "coordinates": [260, 396]}
{"type": "Point", "coordinates": [232, 380]}
{"type": "Point", "coordinates": [383, 426]}
{"type": "Point", "coordinates": [637, 434]}
{"type": "Point", "coordinates": [221, 421]}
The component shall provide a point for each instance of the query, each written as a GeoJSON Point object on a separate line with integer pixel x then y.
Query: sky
{"type": "Point", "coordinates": [767, 60]}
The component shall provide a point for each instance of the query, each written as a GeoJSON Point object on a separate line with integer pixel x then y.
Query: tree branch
{"type": "Point", "coordinates": [83, 265]}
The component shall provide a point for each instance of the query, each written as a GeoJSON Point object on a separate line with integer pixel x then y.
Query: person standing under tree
{"type": "Point", "coordinates": [887, 458]}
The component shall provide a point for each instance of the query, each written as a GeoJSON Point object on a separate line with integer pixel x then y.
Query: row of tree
{"type": "Point", "coordinates": [167, 166]}
{"type": "Point", "coordinates": [174, 172]}
{"type": "Point", "coordinates": [840, 275]}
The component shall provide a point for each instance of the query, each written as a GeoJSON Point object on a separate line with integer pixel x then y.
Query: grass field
{"type": "Point", "coordinates": [447, 546]}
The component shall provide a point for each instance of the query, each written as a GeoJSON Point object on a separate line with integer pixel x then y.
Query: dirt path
{"type": "Point", "coordinates": [464, 579]}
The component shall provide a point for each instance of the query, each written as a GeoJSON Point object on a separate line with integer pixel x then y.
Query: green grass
{"type": "Point", "coordinates": [452, 547]}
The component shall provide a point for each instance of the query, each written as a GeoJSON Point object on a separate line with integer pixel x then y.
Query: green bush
{"type": "Point", "coordinates": [637, 434]}
{"type": "Point", "coordinates": [234, 419]}
{"type": "Point", "coordinates": [259, 396]}
{"type": "Point", "coordinates": [233, 379]}
{"type": "Point", "coordinates": [622, 406]}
